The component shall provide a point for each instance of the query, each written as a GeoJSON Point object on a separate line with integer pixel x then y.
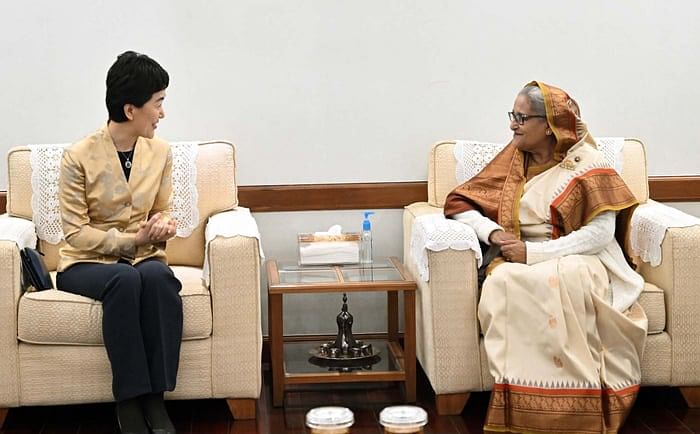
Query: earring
{"type": "Point", "coordinates": [548, 132]}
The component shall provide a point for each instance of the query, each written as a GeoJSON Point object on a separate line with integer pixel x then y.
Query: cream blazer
{"type": "Point", "coordinates": [100, 210]}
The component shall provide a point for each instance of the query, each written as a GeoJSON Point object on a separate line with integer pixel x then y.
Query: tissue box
{"type": "Point", "coordinates": [315, 249]}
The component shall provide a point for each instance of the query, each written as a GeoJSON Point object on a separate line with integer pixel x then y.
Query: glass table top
{"type": "Point", "coordinates": [380, 270]}
{"type": "Point", "coordinates": [298, 359]}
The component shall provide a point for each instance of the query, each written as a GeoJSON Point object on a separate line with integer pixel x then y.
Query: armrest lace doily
{"type": "Point", "coordinates": [649, 224]}
{"type": "Point", "coordinates": [436, 233]}
{"type": "Point", "coordinates": [228, 224]}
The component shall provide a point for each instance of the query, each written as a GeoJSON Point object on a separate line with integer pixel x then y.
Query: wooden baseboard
{"type": "Point", "coordinates": [395, 195]}
{"type": "Point", "coordinates": [675, 188]}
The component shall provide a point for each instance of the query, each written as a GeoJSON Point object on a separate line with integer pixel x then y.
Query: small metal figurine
{"type": "Point", "coordinates": [345, 339]}
{"type": "Point", "coordinates": [345, 348]}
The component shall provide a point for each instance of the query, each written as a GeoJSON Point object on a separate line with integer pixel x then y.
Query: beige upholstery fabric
{"type": "Point", "coordinates": [19, 178]}
{"type": "Point", "coordinates": [445, 348]}
{"type": "Point", "coordinates": [449, 347]}
{"type": "Point", "coordinates": [58, 317]}
{"type": "Point", "coordinates": [237, 345]}
{"type": "Point", "coordinates": [51, 344]}
{"type": "Point", "coordinates": [652, 301]}
{"type": "Point", "coordinates": [9, 296]}
{"type": "Point", "coordinates": [441, 173]}
{"type": "Point", "coordinates": [678, 275]}
{"type": "Point", "coordinates": [45, 369]}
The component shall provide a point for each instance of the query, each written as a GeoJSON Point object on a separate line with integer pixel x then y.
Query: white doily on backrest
{"type": "Point", "coordinates": [472, 156]}
{"type": "Point", "coordinates": [611, 147]}
{"type": "Point", "coordinates": [436, 233]}
{"type": "Point", "coordinates": [649, 224]}
{"type": "Point", "coordinates": [185, 197]}
{"type": "Point", "coordinates": [46, 170]}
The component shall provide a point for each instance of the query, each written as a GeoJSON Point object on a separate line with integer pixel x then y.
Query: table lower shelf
{"type": "Point", "coordinates": [301, 368]}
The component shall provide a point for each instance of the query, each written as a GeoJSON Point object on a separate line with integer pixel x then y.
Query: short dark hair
{"type": "Point", "coordinates": [132, 79]}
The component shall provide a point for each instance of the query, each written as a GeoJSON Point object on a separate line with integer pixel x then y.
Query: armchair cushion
{"type": "Point", "coordinates": [59, 317]}
{"type": "Point", "coordinates": [652, 301]}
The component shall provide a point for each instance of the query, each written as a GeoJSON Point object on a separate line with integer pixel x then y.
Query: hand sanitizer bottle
{"type": "Point", "coordinates": [366, 240]}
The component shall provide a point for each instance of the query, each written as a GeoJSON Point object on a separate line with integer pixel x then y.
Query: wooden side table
{"type": "Point", "coordinates": [290, 363]}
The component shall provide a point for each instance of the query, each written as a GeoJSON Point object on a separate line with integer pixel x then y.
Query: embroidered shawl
{"type": "Point", "coordinates": [496, 190]}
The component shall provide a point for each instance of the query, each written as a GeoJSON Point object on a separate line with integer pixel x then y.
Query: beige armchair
{"type": "Point", "coordinates": [51, 349]}
{"type": "Point", "coordinates": [450, 347]}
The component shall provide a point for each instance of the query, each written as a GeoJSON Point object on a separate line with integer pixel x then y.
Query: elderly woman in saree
{"type": "Point", "coordinates": [562, 330]}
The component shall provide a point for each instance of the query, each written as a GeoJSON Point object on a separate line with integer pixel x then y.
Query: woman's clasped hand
{"type": "Point", "coordinates": [157, 229]}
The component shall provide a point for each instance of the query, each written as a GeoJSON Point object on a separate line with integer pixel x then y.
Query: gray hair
{"type": "Point", "coordinates": [534, 95]}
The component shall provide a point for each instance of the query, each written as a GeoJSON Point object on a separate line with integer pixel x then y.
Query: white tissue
{"type": "Point", "coordinates": [333, 230]}
{"type": "Point", "coordinates": [329, 252]}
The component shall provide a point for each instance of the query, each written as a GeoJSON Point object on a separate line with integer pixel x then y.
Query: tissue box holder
{"type": "Point", "coordinates": [317, 249]}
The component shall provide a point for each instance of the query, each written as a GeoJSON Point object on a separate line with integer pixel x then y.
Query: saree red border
{"type": "Point", "coordinates": [543, 410]}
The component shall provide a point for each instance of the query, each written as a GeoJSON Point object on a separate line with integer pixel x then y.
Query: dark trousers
{"type": "Point", "coordinates": [141, 323]}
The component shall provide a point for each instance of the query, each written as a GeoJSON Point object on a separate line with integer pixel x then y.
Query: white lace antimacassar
{"type": "Point", "coordinates": [611, 147]}
{"type": "Point", "coordinates": [185, 197]}
{"type": "Point", "coordinates": [436, 233]}
{"type": "Point", "coordinates": [46, 169]}
{"type": "Point", "coordinates": [649, 224]}
{"type": "Point", "coordinates": [472, 156]}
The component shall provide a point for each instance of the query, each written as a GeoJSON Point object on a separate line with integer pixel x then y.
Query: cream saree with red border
{"type": "Point", "coordinates": [564, 359]}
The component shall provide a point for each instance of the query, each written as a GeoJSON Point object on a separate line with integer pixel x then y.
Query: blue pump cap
{"type": "Point", "coordinates": [366, 224]}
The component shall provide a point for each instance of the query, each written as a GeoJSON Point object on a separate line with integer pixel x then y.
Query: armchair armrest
{"type": "Point", "coordinates": [412, 211]}
{"type": "Point", "coordinates": [233, 259]}
{"type": "Point", "coordinates": [678, 275]}
{"type": "Point", "coordinates": [15, 233]}
{"type": "Point", "coordinates": [447, 328]}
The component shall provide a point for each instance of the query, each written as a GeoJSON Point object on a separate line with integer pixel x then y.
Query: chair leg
{"type": "Point", "coordinates": [451, 404]}
{"type": "Point", "coordinates": [242, 408]}
{"type": "Point", "coordinates": [3, 415]}
{"type": "Point", "coordinates": [691, 395]}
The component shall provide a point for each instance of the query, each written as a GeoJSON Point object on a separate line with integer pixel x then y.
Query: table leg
{"type": "Point", "coordinates": [275, 329]}
{"type": "Point", "coordinates": [409, 343]}
{"type": "Point", "coordinates": [392, 301]}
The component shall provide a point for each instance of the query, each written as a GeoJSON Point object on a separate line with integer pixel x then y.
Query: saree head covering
{"type": "Point", "coordinates": [496, 190]}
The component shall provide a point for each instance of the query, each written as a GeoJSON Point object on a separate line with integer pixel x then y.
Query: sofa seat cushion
{"type": "Point", "coordinates": [652, 301]}
{"type": "Point", "coordinates": [59, 317]}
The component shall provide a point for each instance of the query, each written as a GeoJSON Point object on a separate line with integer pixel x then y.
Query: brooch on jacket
{"type": "Point", "coordinates": [570, 164]}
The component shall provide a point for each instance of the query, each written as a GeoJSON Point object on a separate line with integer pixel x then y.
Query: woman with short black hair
{"type": "Point", "coordinates": [115, 193]}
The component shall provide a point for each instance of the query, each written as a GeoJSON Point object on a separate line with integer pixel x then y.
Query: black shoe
{"type": "Point", "coordinates": [156, 414]}
{"type": "Point", "coordinates": [130, 417]}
